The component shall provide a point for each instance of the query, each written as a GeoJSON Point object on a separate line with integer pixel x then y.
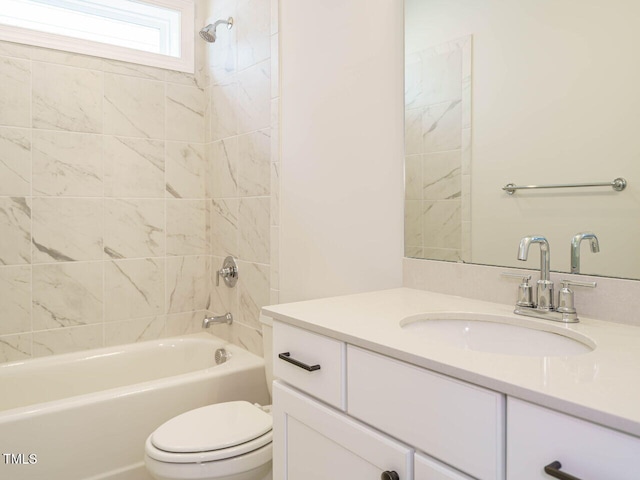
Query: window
{"type": "Point", "coordinates": [150, 32]}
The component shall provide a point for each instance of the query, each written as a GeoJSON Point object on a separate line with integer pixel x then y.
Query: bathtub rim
{"type": "Point", "coordinates": [81, 354]}
{"type": "Point", "coordinates": [249, 360]}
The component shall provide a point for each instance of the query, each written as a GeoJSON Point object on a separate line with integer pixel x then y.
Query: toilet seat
{"type": "Point", "coordinates": [215, 432]}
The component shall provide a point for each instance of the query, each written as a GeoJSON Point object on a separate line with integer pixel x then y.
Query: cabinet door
{"type": "Point", "coordinates": [314, 442]}
{"type": "Point", "coordinates": [427, 468]}
{"type": "Point", "coordinates": [459, 424]}
{"type": "Point", "coordinates": [537, 436]}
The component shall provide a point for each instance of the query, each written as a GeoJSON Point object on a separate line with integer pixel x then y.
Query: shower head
{"type": "Point", "coordinates": [208, 33]}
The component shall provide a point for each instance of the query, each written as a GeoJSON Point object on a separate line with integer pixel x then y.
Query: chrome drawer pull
{"type": "Point", "coordinates": [286, 356]}
{"type": "Point", "coordinates": [553, 469]}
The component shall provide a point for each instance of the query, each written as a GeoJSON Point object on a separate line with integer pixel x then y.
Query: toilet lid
{"type": "Point", "coordinates": [213, 427]}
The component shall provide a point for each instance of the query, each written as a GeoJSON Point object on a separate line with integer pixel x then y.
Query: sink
{"type": "Point", "coordinates": [498, 334]}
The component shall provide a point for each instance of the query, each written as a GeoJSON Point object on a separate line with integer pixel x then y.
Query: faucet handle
{"type": "Point", "coordinates": [573, 283]}
{"type": "Point", "coordinates": [566, 304]}
{"type": "Point", "coordinates": [525, 278]}
{"type": "Point", "coordinates": [524, 289]}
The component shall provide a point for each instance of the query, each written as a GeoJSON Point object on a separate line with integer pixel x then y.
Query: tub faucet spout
{"type": "Point", "coordinates": [226, 318]}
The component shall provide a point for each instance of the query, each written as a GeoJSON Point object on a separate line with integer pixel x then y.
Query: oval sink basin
{"type": "Point", "coordinates": [497, 334]}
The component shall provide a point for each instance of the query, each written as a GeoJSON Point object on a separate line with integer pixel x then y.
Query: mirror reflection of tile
{"type": "Point", "coordinates": [438, 152]}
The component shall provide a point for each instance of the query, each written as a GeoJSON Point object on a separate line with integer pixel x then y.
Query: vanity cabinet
{"type": "Point", "coordinates": [537, 436]}
{"type": "Point", "coordinates": [362, 413]}
{"type": "Point", "coordinates": [337, 421]}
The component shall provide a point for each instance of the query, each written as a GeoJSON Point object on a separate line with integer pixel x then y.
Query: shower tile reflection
{"type": "Point", "coordinates": [438, 151]}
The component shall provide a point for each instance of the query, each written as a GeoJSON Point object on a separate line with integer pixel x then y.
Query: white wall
{"type": "Point", "coordinates": [341, 147]}
{"type": "Point", "coordinates": [555, 100]}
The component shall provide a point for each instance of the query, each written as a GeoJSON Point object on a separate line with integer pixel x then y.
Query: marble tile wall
{"type": "Point", "coordinates": [123, 187]}
{"type": "Point", "coordinates": [104, 210]}
{"type": "Point", "coordinates": [242, 146]}
{"type": "Point", "coordinates": [437, 149]}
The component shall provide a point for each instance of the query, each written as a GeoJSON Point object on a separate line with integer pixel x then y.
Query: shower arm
{"type": "Point", "coordinates": [228, 23]}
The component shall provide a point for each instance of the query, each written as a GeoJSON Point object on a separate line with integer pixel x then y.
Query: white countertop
{"type": "Point", "coordinates": [602, 386]}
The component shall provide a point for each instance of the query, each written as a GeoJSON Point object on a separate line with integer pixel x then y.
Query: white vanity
{"type": "Point", "coordinates": [396, 403]}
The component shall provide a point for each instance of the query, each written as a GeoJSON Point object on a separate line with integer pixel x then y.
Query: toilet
{"type": "Point", "coordinates": [223, 441]}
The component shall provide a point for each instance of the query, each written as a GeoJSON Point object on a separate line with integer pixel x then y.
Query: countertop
{"type": "Point", "coordinates": [602, 386]}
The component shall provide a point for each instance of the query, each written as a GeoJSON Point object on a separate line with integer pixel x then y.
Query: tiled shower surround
{"type": "Point", "coordinates": [122, 187]}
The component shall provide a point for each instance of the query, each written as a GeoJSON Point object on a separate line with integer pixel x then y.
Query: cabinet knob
{"type": "Point", "coordinates": [389, 475]}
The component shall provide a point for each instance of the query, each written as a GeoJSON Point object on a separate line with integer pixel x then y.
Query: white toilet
{"type": "Point", "coordinates": [223, 441]}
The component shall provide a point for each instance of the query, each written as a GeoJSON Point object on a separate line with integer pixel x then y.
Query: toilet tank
{"type": "Point", "coordinates": [267, 345]}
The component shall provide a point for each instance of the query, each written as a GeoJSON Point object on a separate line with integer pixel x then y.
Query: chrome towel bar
{"type": "Point", "coordinates": [618, 185]}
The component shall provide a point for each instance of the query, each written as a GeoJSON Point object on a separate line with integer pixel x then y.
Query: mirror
{"type": "Point", "coordinates": [529, 93]}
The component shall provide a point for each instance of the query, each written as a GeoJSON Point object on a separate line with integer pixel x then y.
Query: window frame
{"type": "Point", "coordinates": [184, 63]}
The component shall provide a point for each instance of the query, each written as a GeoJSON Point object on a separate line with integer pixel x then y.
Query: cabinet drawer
{"type": "Point", "coordinates": [328, 382]}
{"type": "Point", "coordinates": [457, 423]}
{"type": "Point", "coordinates": [537, 436]}
{"type": "Point", "coordinates": [427, 468]}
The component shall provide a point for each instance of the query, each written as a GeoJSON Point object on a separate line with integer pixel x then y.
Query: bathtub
{"type": "Point", "coordinates": [86, 415]}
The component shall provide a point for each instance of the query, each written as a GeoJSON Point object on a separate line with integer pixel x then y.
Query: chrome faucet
{"type": "Point", "coordinates": [544, 307]}
{"type": "Point", "coordinates": [575, 248]}
{"type": "Point", "coordinates": [226, 318]}
{"type": "Point", "coordinates": [544, 293]}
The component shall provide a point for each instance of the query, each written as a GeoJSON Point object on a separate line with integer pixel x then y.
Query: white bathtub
{"type": "Point", "coordinates": [86, 415]}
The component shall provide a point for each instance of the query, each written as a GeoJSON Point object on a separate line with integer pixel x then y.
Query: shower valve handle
{"type": "Point", "coordinates": [229, 272]}
{"type": "Point", "coordinates": [224, 273]}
